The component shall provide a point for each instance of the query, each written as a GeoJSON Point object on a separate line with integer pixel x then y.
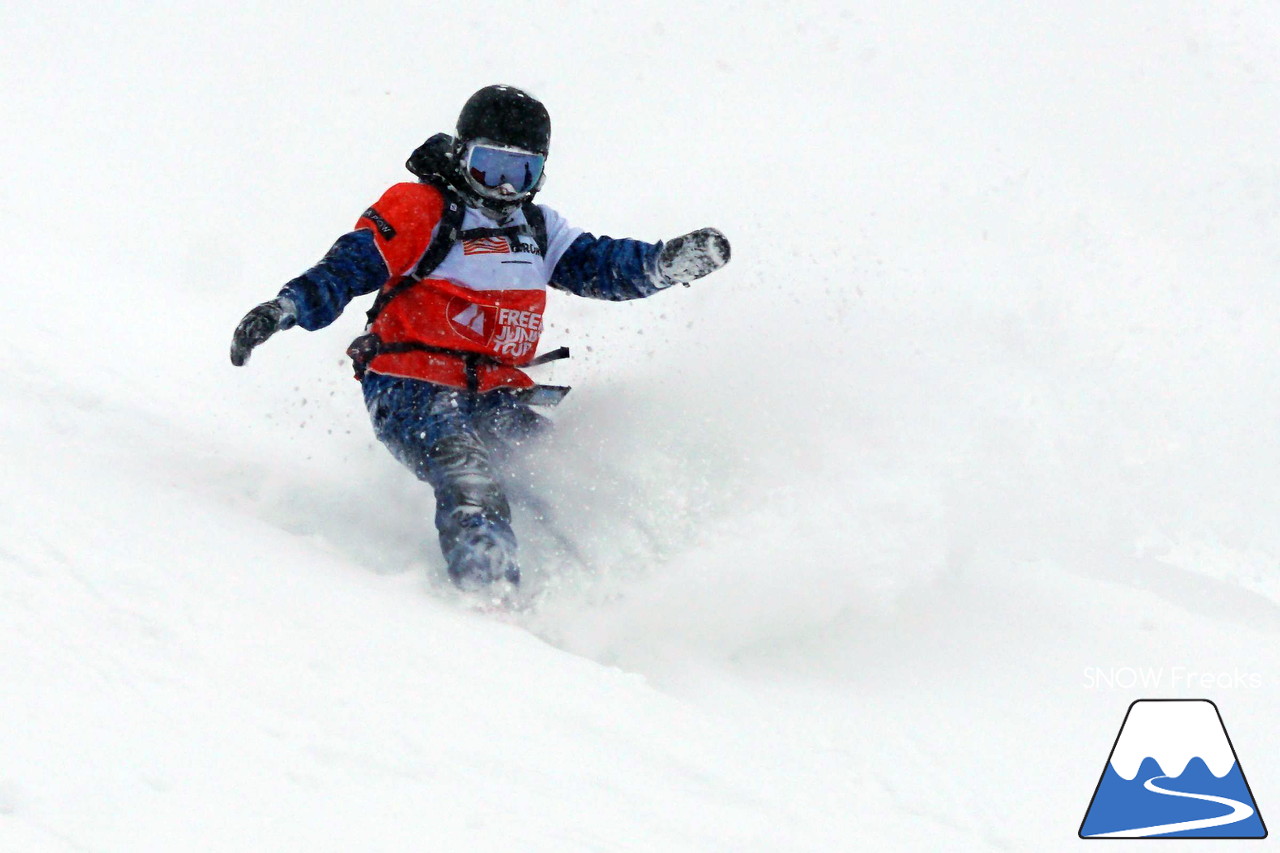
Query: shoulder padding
{"type": "Point", "coordinates": [402, 222]}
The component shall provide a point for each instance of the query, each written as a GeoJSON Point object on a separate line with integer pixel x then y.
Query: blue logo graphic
{"type": "Point", "coordinates": [1173, 773]}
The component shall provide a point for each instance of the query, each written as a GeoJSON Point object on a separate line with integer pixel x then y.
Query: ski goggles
{"type": "Point", "coordinates": [492, 166]}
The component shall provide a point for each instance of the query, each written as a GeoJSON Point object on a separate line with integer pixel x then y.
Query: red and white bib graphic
{"type": "Point", "coordinates": [510, 334]}
{"type": "Point", "coordinates": [486, 246]}
{"type": "Point", "coordinates": [474, 322]}
{"type": "Point", "coordinates": [518, 333]}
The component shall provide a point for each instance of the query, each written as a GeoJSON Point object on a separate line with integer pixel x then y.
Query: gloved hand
{"type": "Point", "coordinates": [258, 325]}
{"type": "Point", "coordinates": [693, 255]}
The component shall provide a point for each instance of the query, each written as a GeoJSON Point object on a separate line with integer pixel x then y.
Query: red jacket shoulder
{"type": "Point", "coordinates": [402, 221]}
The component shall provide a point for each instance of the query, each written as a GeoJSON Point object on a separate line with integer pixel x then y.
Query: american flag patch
{"type": "Point", "coordinates": [486, 246]}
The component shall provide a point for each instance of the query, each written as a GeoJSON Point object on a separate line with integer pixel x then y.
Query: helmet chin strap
{"type": "Point", "coordinates": [497, 214]}
{"type": "Point", "coordinates": [493, 208]}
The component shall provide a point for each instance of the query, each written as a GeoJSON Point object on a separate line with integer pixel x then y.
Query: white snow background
{"type": "Point", "coordinates": [986, 399]}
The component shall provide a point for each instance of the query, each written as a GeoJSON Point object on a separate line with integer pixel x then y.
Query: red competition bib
{"type": "Point", "coordinates": [486, 297]}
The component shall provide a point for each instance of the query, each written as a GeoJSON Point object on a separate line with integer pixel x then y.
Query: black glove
{"type": "Point", "coordinates": [258, 325]}
{"type": "Point", "coordinates": [693, 256]}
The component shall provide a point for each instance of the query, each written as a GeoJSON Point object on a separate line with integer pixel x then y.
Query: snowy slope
{"type": "Point", "coordinates": [982, 408]}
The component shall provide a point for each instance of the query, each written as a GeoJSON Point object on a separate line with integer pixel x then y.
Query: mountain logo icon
{"type": "Point", "coordinates": [474, 322]}
{"type": "Point", "coordinates": [1173, 773]}
{"type": "Point", "coordinates": [472, 318]}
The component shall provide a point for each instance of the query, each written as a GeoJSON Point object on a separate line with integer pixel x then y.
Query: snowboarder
{"type": "Point", "coordinates": [461, 260]}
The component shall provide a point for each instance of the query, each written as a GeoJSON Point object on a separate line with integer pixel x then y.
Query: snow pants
{"type": "Point", "coordinates": [458, 441]}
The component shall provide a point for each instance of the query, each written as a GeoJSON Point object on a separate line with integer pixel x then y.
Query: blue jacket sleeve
{"type": "Point", "coordinates": [353, 267]}
{"type": "Point", "coordinates": [605, 268]}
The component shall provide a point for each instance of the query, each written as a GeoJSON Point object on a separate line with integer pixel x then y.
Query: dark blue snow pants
{"type": "Point", "coordinates": [457, 441]}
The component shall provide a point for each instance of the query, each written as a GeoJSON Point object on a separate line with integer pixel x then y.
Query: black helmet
{"type": "Point", "coordinates": [506, 115]}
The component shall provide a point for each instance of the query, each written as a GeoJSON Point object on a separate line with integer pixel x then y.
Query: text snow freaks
{"type": "Point", "coordinates": [1170, 677]}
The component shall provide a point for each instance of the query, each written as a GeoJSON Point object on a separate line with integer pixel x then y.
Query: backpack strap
{"type": "Point", "coordinates": [537, 223]}
{"type": "Point", "coordinates": [369, 346]}
{"type": "Point", "coordinates": [446, 234]}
